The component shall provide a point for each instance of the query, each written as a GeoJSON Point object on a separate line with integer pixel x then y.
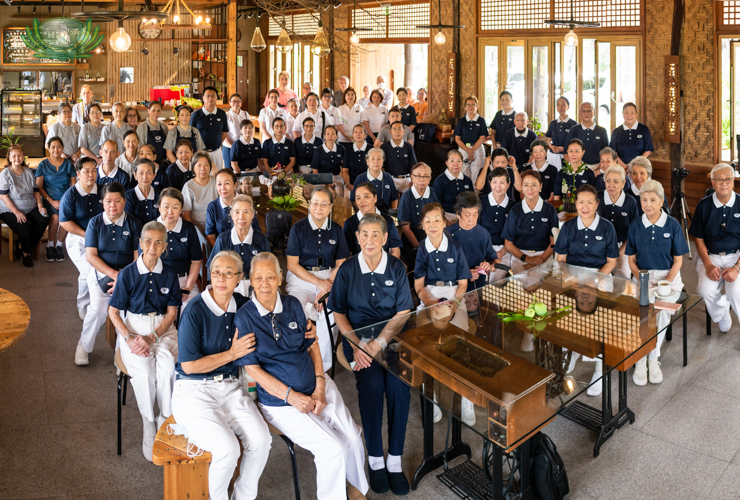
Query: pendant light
{"type": "Point", "coordinates": [120, 41]}
{"type": "Point", "coordinates": [283, 43]}
{"type": "Point", "coordinates": [258, 42]}
{"type": "Point", "coordinates": [320, 43]}
{"type": "Point", "coordinates": [440, 37]}
{"type": "Point", "coordinates": [571, 39]}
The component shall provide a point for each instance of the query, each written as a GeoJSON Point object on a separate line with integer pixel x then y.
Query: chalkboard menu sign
{"type": "Point", "coordinates": [15, 51]}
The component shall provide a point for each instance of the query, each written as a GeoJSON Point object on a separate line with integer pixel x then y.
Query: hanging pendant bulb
{"type": "Point", "coordinates": [571, 39]}
{"type": "Point", "coordinates": [258, 42]}
{"type": "Point", "coordinates": [355, 38]}
{"type": "Point", "coordinates": [283, 43]}
{"type": "Point", "coordinates": [440, 38]}
{"type": "Point", "coordinates": [120, 41]}
{"type": "Point", "coordinates": [321, 44]}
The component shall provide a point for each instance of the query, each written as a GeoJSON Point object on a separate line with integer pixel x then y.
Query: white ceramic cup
{"type": "Point", "coordinates": [664, 288]}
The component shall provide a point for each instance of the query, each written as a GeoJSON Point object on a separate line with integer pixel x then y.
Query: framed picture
{"type": "Point", "coordinates": [127, 75]}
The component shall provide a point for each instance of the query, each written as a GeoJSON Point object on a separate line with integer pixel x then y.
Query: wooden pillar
{"type": "Point", "coordinates": [230, 49]}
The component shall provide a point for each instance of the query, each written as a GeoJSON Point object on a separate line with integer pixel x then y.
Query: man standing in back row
{"type": "Point", "coordinates": [593, 137]}
{"type": "Point", "coordinates": [213, 125]}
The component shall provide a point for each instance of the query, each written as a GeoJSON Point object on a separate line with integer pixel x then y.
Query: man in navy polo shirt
{"type": "Point", "coordinates": [592, 136]}
{"type": "Point", "coordinates": [399, 158]}
{"type": "Point", "coordinates": [213, 125]}
{"type": "Point", "coordinates": [518, 140]}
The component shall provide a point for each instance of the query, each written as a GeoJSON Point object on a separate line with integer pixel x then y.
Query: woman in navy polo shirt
{"type": "Point", "coordinates": [306, 145]}
{"type": "Point", "coordinates": [383, 182]}
{"type": "Point", "coordinates": [470, 133]}
{"type": "Point", "coordinates": [632, 139]}
{"type": "Point", "coordinates": [294, 393]}
{"type": "Point", "coordinates": [500, 159]}
{"type": "Point", "coordinates": [366, 198]}
{"type": "Point", "coordinates": [371, 288]}
{"type": "Point", "coordinates": [451, 183]}
{"type": "Point", "coordinates": [656, 242]}
{"type": "Point", "coordinates": [316, 249]}
{"type": "Point", "coordinates": [207, 399]}
{"type": "Point", "coordinates": [641, 171]}
{"type": "Point", "coordinates": [278, 149]}
{"type": "Point", "coordinates": [410, 207]}
{"type": "Point", "coordinates": [111, 243]}
{"type": "Point", "coordinates": [583, 174]}
{"type": "Point", "coordinates": [246, 151]}
{"type": "Point", "coordinates": [242, 238]}
{"type": "Point", "coordinates": [355, 159]}
{"type": "Point", "coordinates": [143, 201]}
{"type": "Point", "coordinates": [328, 159]}
{"type": "Point", "coordinates": [473, 238]}
{"type": "Point", "coordinates": [80, 204]}
{"type": "Point", "coordinates": [548, 173]}
{"type": "Point", "coordinates": [148, 293]}
{"type": "Point", "coordinates": [504, 119]}
{"type": "Point", "coordinates": [558, 129]}
{"type": "Point", "coordinates": [184, 253]}
{"type": "Point", "coordinates": [528, 230]}
{"type": "Point", "coordinates": [495, 208]}
{"type": "Point", "coordinates": [54, 176]}
{"type": "Point", "coordinates": [619, 209]}
{"type": "Point", "coordinates": [179, 172]}
{"type": "Point", "coordinates": [218, 217]}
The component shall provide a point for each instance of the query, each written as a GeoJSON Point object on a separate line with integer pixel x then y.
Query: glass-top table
{"type": "Point", "coordinates": [510, 348]}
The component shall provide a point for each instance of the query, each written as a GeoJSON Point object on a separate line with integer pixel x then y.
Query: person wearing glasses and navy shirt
{"type": "Point", "coordinates": [382, 181]}
{"type": "Point", "coordinates": [593, 137]}
{"type": "Point", "coordinates": [306, 145]}
{"type": "Point", "coordinates": [518, 140]}
{"type": "Point", "coordinates": [278, 149]}
{"type": "Point", "coordinates": [409, 210]}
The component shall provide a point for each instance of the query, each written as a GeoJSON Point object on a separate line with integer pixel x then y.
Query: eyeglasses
{"type": "Point", "coordinates": [215, 275]}
{"type": "Point", "coordinates": [728, 180]}
{"type": "Point", "coordinates": [276, 333]}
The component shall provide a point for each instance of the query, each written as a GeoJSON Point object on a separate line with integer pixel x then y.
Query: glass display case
{"type": "Point", "coordinates": [21, 117]}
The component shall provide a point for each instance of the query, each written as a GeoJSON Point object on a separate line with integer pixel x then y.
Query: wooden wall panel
{"type": "Point", "coordinates": [374, 60]}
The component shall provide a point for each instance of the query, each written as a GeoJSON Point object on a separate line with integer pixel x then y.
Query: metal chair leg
{"type": "Point", "coordinates": [669, 333]}
{"type": "Point", "coordinates": [709, 322]}
{"type": "Point", "coordinates": [125, 386]}
{"type": "Point", "coordinates": [120, 392]}
{"type": "Point", "coordinates": [291, 448]}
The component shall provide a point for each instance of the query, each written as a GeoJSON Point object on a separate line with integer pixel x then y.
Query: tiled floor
{"type": "Point", "coordinates": [58, 421]}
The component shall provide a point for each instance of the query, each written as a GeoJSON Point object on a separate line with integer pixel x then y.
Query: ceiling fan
{"type": "Point", "coordinates": [571, 39]}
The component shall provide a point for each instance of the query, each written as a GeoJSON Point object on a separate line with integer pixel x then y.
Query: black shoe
{"type": "Point", "coordinates": [18, 253]}
{"type": "Point", "coordinates": [27, 261]}
{"type": "Point", "coordinates": [51, 254]}
{"type": "Point", "coordinates": [379, 480]}
{"type": "Point", "coordinates": [60, 254]}
{"type": "Point", "coordinates": [398, 483]}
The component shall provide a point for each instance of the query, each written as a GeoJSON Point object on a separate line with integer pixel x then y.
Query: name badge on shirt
{"type": "Point", "coordinates": [126, 233]}
{"type": "Point", "coordinates": [387, 186]}
{"type": "Point", "coordinates": [597, 137]}
{"type": "Point", "coordinates": [624, 214]}
{"type": "Point", "coordinates": [639, 136]}
{"type": "Point", "coordinates": [183, 240]}
{"type": "Point", "coordinates": [511, 119]}
{"type": "Point", "coordinates": [164, 290]}
{"type": "Point", "coordinates": [547, 177]}
{"type": "Point", "coordinates": [666, 235]}
{"type": "Point", "coordinates": [736, 215]}
{"type": "Point", "coordinates": [405, 156]}
{"type": "Point", "coordinates": [544, 219]}
{"type": "Point", "coordinates": [450, 260]}
{"type": "Point", "coordinates": [583, 180]}
{"type": "Point", "coordinates": [466, 186]}
{"type": "Point", "coordinates": [567, 130]}
{"type": "Point", "coordinates": [293, 325]}
{"type": "Point", "coordinates": [332, 242]}
{"type": "Point", "coordinates": [218, 119]}
{"type": "Point", "coordinates": [255, 252]}
{"type": "Point", "coordinates": [599, 237]}
{"type": "Point", "coordinates": [389, 283]}
{"type": "Point", "coordinates": [526, 150]}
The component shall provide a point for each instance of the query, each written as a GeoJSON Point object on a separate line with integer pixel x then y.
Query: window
{"type": "Point", "coordinates": [392, 23]}
{"type": "Point", "coordinates": [302, 64]}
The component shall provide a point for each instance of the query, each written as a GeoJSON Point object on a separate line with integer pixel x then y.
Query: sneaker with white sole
{"type": "Point", "coordinates": [595, 387]}
{"type": "Point", "coordinates": [81, 356]}
{"type": "Point", "coordinates": [467, 412]}
{"type": "Point", "coordinates": [725, 323]}
{"type": "Point", "coordinates": [147, 443]}
{"type": "Point", "coordinates": [640, 376]}
{"type": "Point", "coordinates": [527, 343]}
{"type": "Point", "coordinates": [654, 374]}
{"type": "Point", "coordinates": [82, 314]}
{"type": "Point", "coordinates": [437, 414]}
{"type": "Point", "coordinates": [51, 254]}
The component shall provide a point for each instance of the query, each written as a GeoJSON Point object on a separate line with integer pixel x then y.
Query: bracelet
{"type": "Point", "coordinates": [156, 337]}
{"type": "Point", "coordinates": [737, 268]}
{"type": "Point", "coordinates": [321, 377]}
{"type": "Point", "coordinates": [381, 342]}
{"type": "Point", "coordinates": [286, 395]}
{"type": "Point", "coordinates": [128, 337]}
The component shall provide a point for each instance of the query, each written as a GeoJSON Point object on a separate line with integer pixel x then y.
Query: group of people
{"type": "Point", "coordinates": [141, 204]}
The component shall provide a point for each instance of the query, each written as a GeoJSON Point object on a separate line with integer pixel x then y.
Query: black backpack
{"type": "Point", "coordinates": [278, 224]}
{"type": "Point", "coordinates": [548, 470]}
{"type": "Point", "coordinates": [425, 132]}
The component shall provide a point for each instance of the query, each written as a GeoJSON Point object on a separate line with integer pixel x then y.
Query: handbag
{"type": "Point", "coordinates": [425, 132]}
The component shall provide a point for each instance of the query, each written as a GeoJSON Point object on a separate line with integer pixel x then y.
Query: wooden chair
{"type": "Point", "coordinates": [184, 477]}
{"type": "Point", "coordinates": [12, 242]}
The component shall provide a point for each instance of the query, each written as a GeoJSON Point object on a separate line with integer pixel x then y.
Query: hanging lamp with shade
{"type": "Point", "coordinates": [283, 43]}
{"type": "Point", "coordinates": [320, 42]}
{"type": "Point", "coordinates": [571, 39]}
{"type": "Point", "coordinates": [258, 41]}
{"type": "Point", "coordinates": [354, 29]}
{"type": "Point", "coordinates": [440, 37]}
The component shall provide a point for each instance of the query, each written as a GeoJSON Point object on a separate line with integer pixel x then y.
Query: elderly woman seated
{"type": "Point", "coordinates": [641, 171]}
{"type": "Point", "coordinates": [207, 400]}
{"type": "Point", "coordinates": [147, 292]}
{"type": "Point", "coordinates": [294, 394]}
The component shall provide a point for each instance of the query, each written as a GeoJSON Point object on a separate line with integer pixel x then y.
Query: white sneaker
{"type": "Point", "coordinates": [437, 415]}
{"type": "Point", "coordinates": [81, 314]}
{"type": "Point", "coordinates": [654, 373]}
{"type": "Point", "coordinates": [160, 420]}
{"type": "Point", "coordinates": [467, 412]}
{"type": "Point", "coordinates": [595, 387]}
{"type": "Point", "coordinates": [640, 376]}
{"type": "Point", "coordinates": [573, 359]}
{"type": "Point", "coordinates": [527, 343]}
{"type": "Point", "coordinates": [725, 323]}
{"type": "Point", "coordinates": [150, 432]}
{"type": "Point", "coordinates": [81, 356]}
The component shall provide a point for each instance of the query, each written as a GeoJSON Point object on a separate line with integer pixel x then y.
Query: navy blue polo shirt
{"type": "Point", "coordinates": [621, 214]}
{"type": "Point", "coordinates": [141, 291]}
{"type": "Point", "coordinates": [530, 229]}
{"type": "Point", "coordinates": [385, 188]}
{"type": "Point", "coordinates": [477, 247]}
{"type": "Point", "coordinates": [116, 175]}
{"type": "Point", "coordinates": [493, 217]}
{"type": "Point", "coordinates": [287, 358]}
{"type": "Point", "coordinates": [587, 246]}
{"type": "Point", "coordinates": [355, 160]}
{"type": "Point", "coordinates": [469, 131]}
{"type": "Point", "coordinates": [210, 126]}
{"type": "Point", "coordinates": [634, 192]}
{"type": "Point", "coordinates": [310, 243]}
{"type": "Point", "coordinates": [632, 142]}
{"type": "Point", "coordinates": [370, 297]}
{"type": "Point", "coordinates": [177, 176]}
{"type": "Point", "coordinates": [585, 177]}
{"type": "Point", "coordinates": [600, 183]}
{"type": "Point", "coordinates": [447, 263]}
{"type": "Point", "coordinates": [278, 152]}
{"type": "Point", "coordinates": [115, 242]}
{"type": "Point", "coordinates": [501, 123]}
{"type": "Point", "coordinates": [656, 244]}
{"type": "Point", "coordinates": [558, 131]}
{"type": "Point", "coordinates": [253, 244]}
{"type": "Point", "coordinates": [548, 174]}
{"type": "Point", "coordinates": [79, 207]}
{"type": "Point", "coordinates": [398, 158]}
{"type": "Point", "coordinates": [205, 329]}
{"type": "Point", "coordinates": [160, 181]}
{"type": "Point", "coordinates": [519, 146]}
{"type": "Point", "coordinates": [146, 209]}
{"type": "Point", "coordinates": [718, 225]}
{"type": "Point", "coordinates": [447, 188]}
{"type": "Point", "coordinates": [328, 161]}
{"type": "Point", "coordinates": [218, 218]}
{"type": "Point", "coordinates": [593, 141]}
{"type": "Point", "coordinates": [304, 150]}
{"type": "Point", "coordinates": [245, 155]}
{"type": "Point", "coordinates": [183, 247]}
{"type": "Point", "coordinates": [512, 193]}
{"type": "Point", "coordinates": [408, 115]}
{"type": "Point", "coordinates": [351, 225]}
{"type": "Point", "coordinates": [410, 207]}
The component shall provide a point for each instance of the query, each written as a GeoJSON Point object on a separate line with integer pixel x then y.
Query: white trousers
{"type": "Point", "coordinates": [217, 158]}
{"type": "Point", "coordinates": [76, 251]}
{"type": "Point", "coordinates": [339, 187]}
{"type": "Point", "coordinates": [496, 274]}
{"type": "Point", "coordinates": [217, 417]}
{"type": "Point", "coordinates": [517, 266]}
{"type": "Point", "coordinates": [305, 169]}
{"type": "Point", "coordinates": [193, 293]}
{"type": "Point", "coordinates": [473, 166]}
{"type": "Point", "coordinates": [717, 303]}
{"type": "Point", "coordinates": [623, 267]}
{"type": "Point", "coordinates": [306, 292]}
{"type": "Point", "coordinates": [152, 377]}
{"type": "Point", "coordinates": [459, 316]}
{"type": "Point", "coordinates": [333, 438]}
{"type": "Point", "coordinates": [97, 311]}
{"type": "Point", "coordinates": [402, 185]}
{"type": "Point", "coordinates": [663, 317]}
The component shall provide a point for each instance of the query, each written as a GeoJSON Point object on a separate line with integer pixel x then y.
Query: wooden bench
{"type": "Point", "coordinates": [184, 477]}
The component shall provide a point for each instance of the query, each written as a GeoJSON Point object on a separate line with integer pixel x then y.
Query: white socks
{"type": "Point", "coordinates": [375, 463]}
{"type": "Point", "coordinates": [393, 463]}
{"type": "Point", "coordinates": [50, 244]}
{"type": "Point", "coordinates": [59, 244]}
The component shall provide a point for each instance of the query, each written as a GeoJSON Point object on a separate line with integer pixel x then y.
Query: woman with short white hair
{"type": "Point", "coordinates": [641, 171]}
{"type": "Point", "coordinates": [284, 93]}
{"type": "Point", "coordinates": [619, 209]}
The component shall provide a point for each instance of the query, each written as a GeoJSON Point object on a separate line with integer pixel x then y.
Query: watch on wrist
{"type": "Point", "coordinates": [128, 337]}
{"type": "Point", "coordinates": [523, 258]}
{"type": "Point", "coordinates": [381, 342]}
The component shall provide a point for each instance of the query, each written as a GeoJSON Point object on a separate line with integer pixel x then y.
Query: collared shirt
{"type": "Point", "coordinates": [317, 246]}
{"type": "Point", "coordinates": [350, 118]}
{"type": "Point", "coordinates": [253, 243]}
{"type": "Point", "coordinates": [717, 224]}
{"type": "Point", "coordinates": [408, 115]}
{"type": "Point", "coordinates": [278, 151]}
{"type": "Point", "coordinates": [177, 133]}
{"type": "Point", "coordinates": [178, 175]}
{"type": "Point", "coordinates": [355, 160]}
{"type": "Point", "coordinates": [115, 175]}
{"type": "Point", "coordinates": [352, 224]}
{"type": "Point", "coordinates": [304, 150]}
{"type": "Point", "coordinates": [399, 158]}
{"type": "Point", "coordinates": [196, 200]}
{"type": "Point", "coordinates": [327, 160]}
{"type": "Point", "coordinates": [621, 214]}
{"type": "Point", "coordinates": [320, 118]}
{"type": "Point", "coordinates": [246, 155]}
{"type": "Point", "coordinates": [530, 229]}
{"type": "Point", "coordinates": [446, 263]}
{"type": "Point", "coordinates": [385, 134]}
{"type": "Point", "coordinates": [631, 142]}
{"type": "Point", "coordinates": [56, 180]}
{"type": "Point", "coordinates": [410, 207]}
{"type": "Point", "coordinates": [585, 177]}
{"type": "Point", "coordinates": [144, 208]}
{"type": "Point", "coordinates": [283, 347]}
{"type": "Point", "coordinates": [80, 113]}
{"type": "Point", "coordinates": [333, 112]}
{"type": "Point", "coordinates": [79, 206]}
{"type": "Point", "coordinates": [89, 137]}
{"type": "Point", "coordinates": [469, 130]}
{"type": "Point", "coordinates": [111, 132]}
{"type": "Point", "coordinates": [376, 116]}
{"type": "Point", "coordinates": [502, 122]}
{"type": "Point", "coordinates": [234, 121]}
{"type": "Point", "coordinates": [115, 242]}
{"type": "Point", "coordinates": [558, 130]}
{"type": "Point", "coordinates": [448, 187]}
{"type": "Point", "coordinates": [218, 218]}
{"type": "Point", "coordinates": [128, 166]}
{"type": "Point", "coordinates": [518, 146]}
{"type": "Point", "coordinates": [267, 117]}
{"type": "Point", "coordinates": [211, 125]}
{"type": "Point", "coordinates": [587, 246]}
{"type": "Point", "coordinates": [183, 246]}
{"type": "Point", "coordinates": [493, 216]}
{"type": "Point", "coordinates": [477, 247]}
{"type": "Point", "coordinates": [512, 193]}
{"type": "Point", "coordinates": [548, 174]}
{"type": "Point", "coordinates": [69, 134]}
{"type": "Point", "coordinates": [20, 189]}
{"type": "Point", "coordinates": [387, 97]}
{"type": "Point", "coordinates": [283, 97]}
{"type": "Point", "coordinates": [368, 297]}
{"type": "Point", "coordinates": [634, 192]}
{"type": "Point", "coordinates": [141, 291]}
{"type": "Point", "coordinates": [656, 244]}
{"type": "Point", "coordinates": [385, 188]}
{"type": "Point", "coordinates": [594, 139]}
{"type": "Point", "coordinates": [143, 129]}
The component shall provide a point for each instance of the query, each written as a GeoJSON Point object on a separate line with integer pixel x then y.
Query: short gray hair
{"type": "Point", "coordinates": [377, 150]}
{"type": "Point", "coordinates": [522, 113]}
{"type": "Point", "coordinates": [653, 186]}
{"type": "Point", "coordinates": [609, 151]}
{"type": "Point", "coordinates": [153, 226]}
{"type": "Point", "coordinates": [373, 219]}
{"type": "Point", "coordinates": [243, 198]}
{"type": "Point", "coordinates": [265, 257]}
{"type": "Point", "coordinates": [615, 169]}
{"type": "Point", "coordinates": [641, 161]}
{"type": "Point", "coordinates": [228, 254]}
{"type": "Point", "coordinates": [286, 73]}
{"type": "Point", "coordinates": [719, 167]}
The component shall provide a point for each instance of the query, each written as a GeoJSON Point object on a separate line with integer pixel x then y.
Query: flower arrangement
{"type": "Point", "coordinates": [536, 314]}
{"type": "Point", "coordinates": [280, 187]}
{"type": "Point", "coordinates": [569, 192]}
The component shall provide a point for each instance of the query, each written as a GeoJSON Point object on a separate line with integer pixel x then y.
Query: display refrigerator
{"type": "Point", "coordinates": [21, 119]}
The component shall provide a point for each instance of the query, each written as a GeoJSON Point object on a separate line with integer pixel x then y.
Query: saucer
{"type": "Point", "coordinates": [668, 297]}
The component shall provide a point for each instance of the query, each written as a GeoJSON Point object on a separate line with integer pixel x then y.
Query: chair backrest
{"type": "Point", "coordinates": [316, 179]}
{"type": "Point", "coordinates": [278, 224]}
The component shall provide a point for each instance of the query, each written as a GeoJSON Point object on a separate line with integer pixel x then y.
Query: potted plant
{"type": "Point", "coordinates": [281, 187]}
{"type": "Point", "coordinates": [536, 315]}
{"type": "Point", "coordinates": [536, 127]}
{"type": "Point", "coordinates": [569, 192]}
